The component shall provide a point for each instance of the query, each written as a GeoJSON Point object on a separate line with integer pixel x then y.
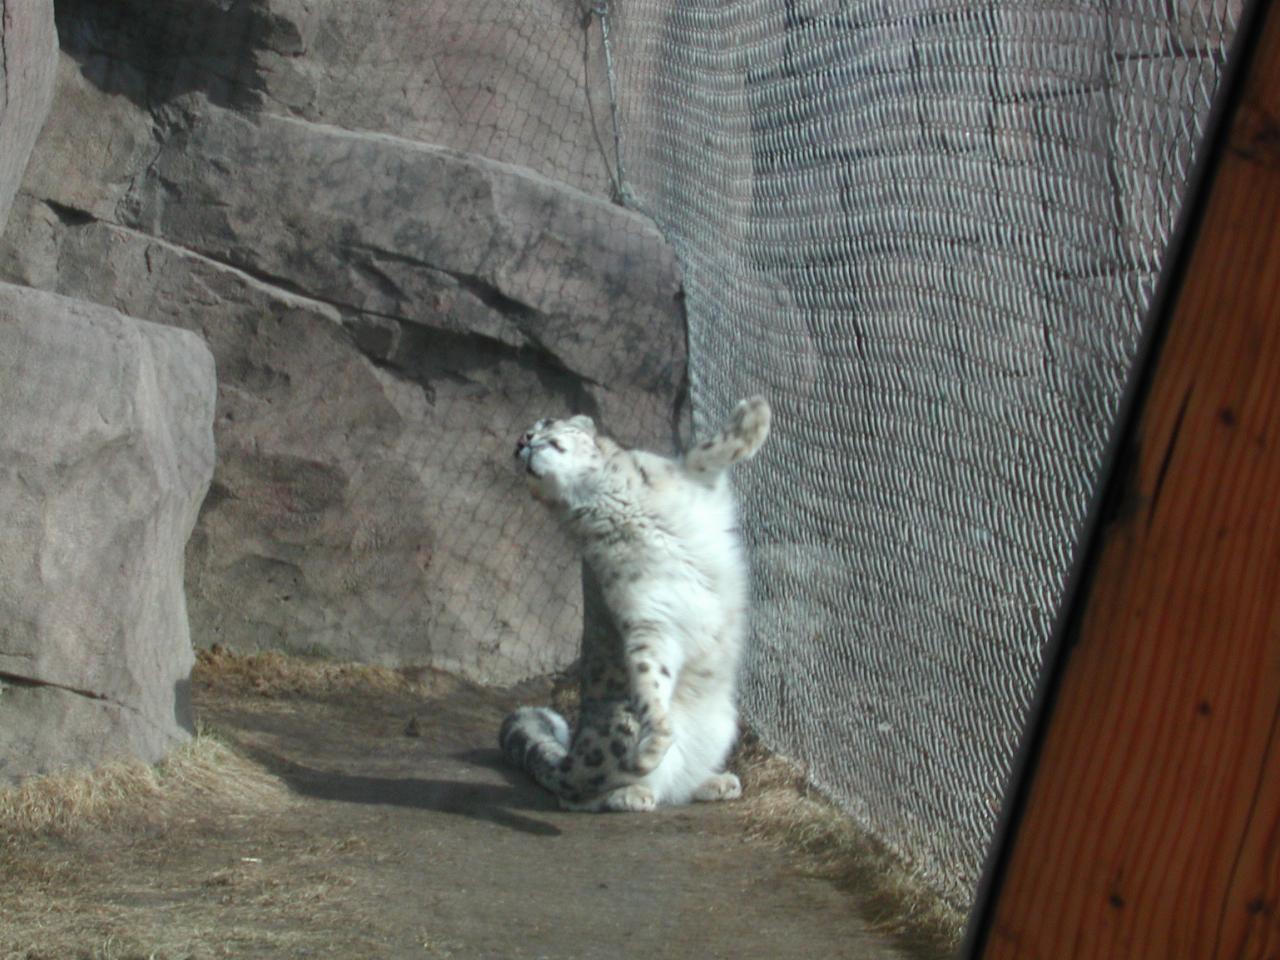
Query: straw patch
{"type": "Point", "coordinates": [274, 674]}
{"type": "Point", "coordinates": [204, 773]}
{"type": "Point", "coordinates": [780, 807]}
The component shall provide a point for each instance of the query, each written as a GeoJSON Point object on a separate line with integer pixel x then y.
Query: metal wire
{"type": "Point", "coordinates": [929, 231]}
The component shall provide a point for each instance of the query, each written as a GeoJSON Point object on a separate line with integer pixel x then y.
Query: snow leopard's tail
{"type": "Point", "coordinates": [742, 436]}
{"type": "Point", "coordinates": [577, 770]}
{"type": "Point", "coordinates": [536, 739]}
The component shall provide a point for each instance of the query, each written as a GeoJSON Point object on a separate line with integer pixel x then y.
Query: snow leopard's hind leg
{"type": "Point", "coordinates": [741, 437]}
{"type": "Point", "coordinates": [652, 664]}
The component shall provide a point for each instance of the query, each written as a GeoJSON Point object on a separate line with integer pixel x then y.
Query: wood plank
{"type": "Point", "coordinates": [1152, 828]}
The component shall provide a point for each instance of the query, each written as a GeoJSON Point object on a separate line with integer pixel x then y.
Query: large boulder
{"type": "Point", "coordinates": [106, 451]}
{"type": "Point", "coordinates": [386, 316]}
{"type": "Point", "coordinates": [27, 69]}
{"type": "Point", "coordinates": [412, 236]}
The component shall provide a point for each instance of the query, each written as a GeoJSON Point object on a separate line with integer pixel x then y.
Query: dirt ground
{"type": "Point", "coordinates": [389, 828]}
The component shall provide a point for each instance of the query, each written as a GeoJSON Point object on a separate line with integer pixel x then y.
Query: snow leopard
{"type": "Point", "coordinates": [658, 713]}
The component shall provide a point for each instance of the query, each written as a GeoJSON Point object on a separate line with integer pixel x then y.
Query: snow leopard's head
{"type": "Point", "coordinates": [558, 456]}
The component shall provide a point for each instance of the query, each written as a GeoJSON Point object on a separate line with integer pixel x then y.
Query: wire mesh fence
{"type": "Point", "coordinates": [929, 231]}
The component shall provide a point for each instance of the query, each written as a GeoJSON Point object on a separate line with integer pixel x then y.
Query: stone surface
{"type": "Point", "coordinates": [94, 142]}
{"type": "Point", "coordinates": [106, 451]}
{"type": "Point", "coordinates": [521, 83]}
{"type": "Point", "coordinates": [28, 62]}
{"type": "Point", "coordinates": [423, 236]}
{"type": "Point", "coordinates": [386, 316]}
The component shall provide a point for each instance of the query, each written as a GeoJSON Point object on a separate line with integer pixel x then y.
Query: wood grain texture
{"type": "Point", "coordinates": [1153, 823]}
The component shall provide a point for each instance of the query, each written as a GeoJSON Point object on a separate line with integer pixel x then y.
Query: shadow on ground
{"type": "Point", "coordinates": [491, 803]}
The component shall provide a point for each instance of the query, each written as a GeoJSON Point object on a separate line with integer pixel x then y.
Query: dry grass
{"type": "Point", "coordinates": [237, 896]}
{"type": "Point", "coordinates": [202, 856]}
{"type": "Point", "coordinates": [204, 774]}
{"type": "Point", "coordinates": [208, 855]}
{"type": "Point", "coordinates": [781, 808]}
{"type": "Point", "coordinates": [274, 674]}
{"type": "Point", "coordinates": [78, 853]}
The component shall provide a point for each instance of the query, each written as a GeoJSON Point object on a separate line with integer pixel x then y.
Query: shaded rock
{"type": "Point", "coordinates": [105, 454]}
{"type": "Point", "coordinates": [48, 730]}
{"type": "Point", "coordinates": [93, 145]}
{"type": "Point", "coordinates": [519, 83]}
{"type": "Point", "coordinates": [28, 64]}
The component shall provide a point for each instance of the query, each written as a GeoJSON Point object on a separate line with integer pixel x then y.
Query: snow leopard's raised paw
{"type": "Point", "coordinates": [750, 421]}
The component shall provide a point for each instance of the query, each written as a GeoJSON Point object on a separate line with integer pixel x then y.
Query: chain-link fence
{"type": "Point", "coordinates": [929, 231]}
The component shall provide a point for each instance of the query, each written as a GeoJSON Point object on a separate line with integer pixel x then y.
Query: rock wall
{"type": "Point", "coordinates": [106, 451]}
{"type": "Point", "coordinates": [519, 81]}
{"type": "Point", "coordinates": [28, 46]}
{"type": "Point", "coordinates": [388, 222]}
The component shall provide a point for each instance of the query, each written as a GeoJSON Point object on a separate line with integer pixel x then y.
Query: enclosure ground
{"type": "Point", "coordinates": [395, 831]}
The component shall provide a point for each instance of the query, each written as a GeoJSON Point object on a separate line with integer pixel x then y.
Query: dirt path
{"type": "Point", "coordinates": [395, 845]}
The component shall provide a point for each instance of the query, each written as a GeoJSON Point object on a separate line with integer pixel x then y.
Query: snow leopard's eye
{"type": "Point", "coordinates": [557, 445]}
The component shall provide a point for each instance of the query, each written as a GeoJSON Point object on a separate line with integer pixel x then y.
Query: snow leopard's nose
{"type": "Point", "coordinates": [523, 442]}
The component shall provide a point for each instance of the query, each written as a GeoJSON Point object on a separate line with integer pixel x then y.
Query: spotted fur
{"type": "Point", "coordinates": [658, 714]}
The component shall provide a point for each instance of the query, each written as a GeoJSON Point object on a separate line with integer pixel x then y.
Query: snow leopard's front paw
{"type": "Point", "coordinates": [653, 746]}
{"type": "Point", "coordinates": [722, 786]}
{"type": "Point", "coordinates": [636, 798]}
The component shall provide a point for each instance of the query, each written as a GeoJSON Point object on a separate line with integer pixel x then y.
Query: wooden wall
{"type": "Point", "coordinates": [1152, 825]}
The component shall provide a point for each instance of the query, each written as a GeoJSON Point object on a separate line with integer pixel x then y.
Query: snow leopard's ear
{"type": "Point", "coordinates": [583, 423]}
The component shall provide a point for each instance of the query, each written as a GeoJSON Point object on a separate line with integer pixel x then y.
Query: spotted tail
{"type": "Point", "coordinates": [536, 740]}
